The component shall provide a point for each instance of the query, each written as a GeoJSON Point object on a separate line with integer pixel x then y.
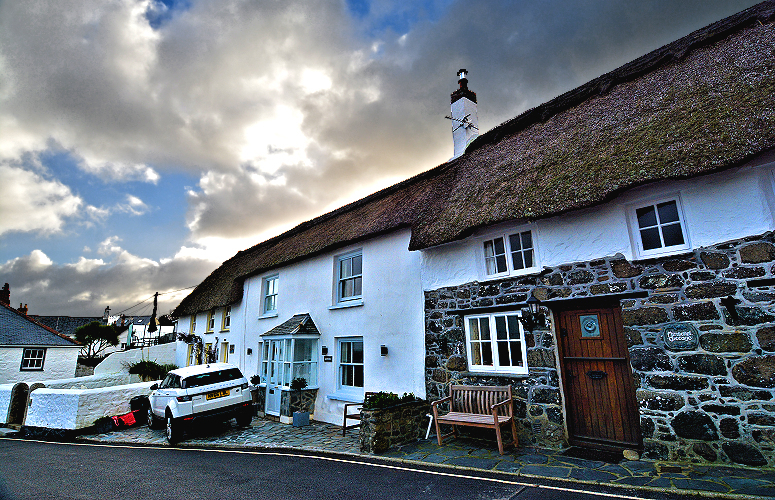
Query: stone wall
{"type": "Point", "coordinates": [291, 401]}
{"type": "Point", "coordinates": [710, 402]}
{"type": "Point", "coordinates": [387, 427]}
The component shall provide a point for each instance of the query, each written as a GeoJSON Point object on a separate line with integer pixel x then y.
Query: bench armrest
{"type": "Point", "coordinates": [495, 407]}
{"type": "Point", "coordinates": [435, 406]}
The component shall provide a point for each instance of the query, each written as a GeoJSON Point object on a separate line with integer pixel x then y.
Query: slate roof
{"type": "Point", "coordinates": [16, 329]}
{"type": "Point", "coordinates": [701, 104]}
{"type": "Point", "coordinates": [65, 325]}
{"type": "Point", "coordinates": [299, 324]}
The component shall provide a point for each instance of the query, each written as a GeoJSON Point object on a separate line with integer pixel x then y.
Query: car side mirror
{"type": "Point", "coordinates": [154, 387]}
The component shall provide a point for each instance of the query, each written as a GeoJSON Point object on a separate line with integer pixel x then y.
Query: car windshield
{"type": "Point", "coordinates": [212, 378]}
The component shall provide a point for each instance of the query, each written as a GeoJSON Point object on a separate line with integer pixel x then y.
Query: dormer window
{"type": "Point", "coordinates": [512, 253]}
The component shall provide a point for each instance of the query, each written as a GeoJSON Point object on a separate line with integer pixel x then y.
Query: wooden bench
{"type": "Point", "coordinates": [356, 415]}
{"type": "Point", "coordinates": [477, 406]}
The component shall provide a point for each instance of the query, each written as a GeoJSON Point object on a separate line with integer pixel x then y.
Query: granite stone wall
{"type": "Point", "coordinates": [713, 401]}
{"type": "Point", "coordinates": [388, 427]}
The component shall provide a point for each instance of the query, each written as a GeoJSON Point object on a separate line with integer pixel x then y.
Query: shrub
{"type": "Point", "coordinates": [381, 400]}
{"type": "Point", "coordinates": [298, 384]}
{"type": "Point", "coordinates": [150, 370]}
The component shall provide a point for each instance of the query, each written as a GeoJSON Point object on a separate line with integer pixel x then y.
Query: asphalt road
{"type": "Point", "coordinates": [40, 471]}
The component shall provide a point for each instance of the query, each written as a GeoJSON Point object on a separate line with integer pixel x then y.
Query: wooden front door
{"type": "Point", "coordinates": [599, 390]}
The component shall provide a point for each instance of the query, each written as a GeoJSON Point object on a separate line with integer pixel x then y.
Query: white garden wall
{"type": "Point", "coordinates": [78, 408]}
{"type": "Point", "coordinates": [119, 361]}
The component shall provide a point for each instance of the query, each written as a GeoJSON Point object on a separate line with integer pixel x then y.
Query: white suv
{"type": "Point", "coordinates": [217, 390]}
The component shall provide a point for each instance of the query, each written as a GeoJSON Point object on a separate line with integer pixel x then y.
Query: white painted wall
{"type": "Point", "coordinates": [119, 361]}
{"type": "Point", "coordinates": [391, 314]}
{"type": "Point", "coordinates": [717, 208]}
{"type": "Point", "coordinates": [59, 363]}
{"type": "Point", "coordinates": [5, 401]}
{"type": "Point", "coordinates": [79, 408]}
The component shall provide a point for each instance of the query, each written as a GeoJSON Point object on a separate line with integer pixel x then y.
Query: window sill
{"type": "Point", "coordinates": [225, 331]}
{"type": "Point", "coordinates": [346, 305]}
{"type": "Point", "coordinates": [513, 274]}
{"type": "Point", "coordinates": [30, 369]}
{"type": "Point", "coordinates": [347, 398]}
{"type": "Point", "coordinates": [267, 316]}
{"type": "Point", "coordinates": [471, 373]}
{"type": "Point", "coordinates": [648, 255]}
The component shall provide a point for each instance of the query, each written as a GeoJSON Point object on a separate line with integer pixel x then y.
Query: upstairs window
{"type": "Point", "coordinates": [660, 228]}
{"type": "Point", "coordinates": [349, 284]}
{"type": "Point", "coordinates": [32, 359]}
{"type": "Point", "coordinates": [269, 292]}
{"type": "Point", "coordinates": [210, 321]}
{"type": "Point", "coordinates": [511, 253]}
{"type": "Point", "coordinates": [496, 344]}
{"type": "Point", "coordinates": [193, 323]}
{"type": "Point", "coordinates": [226, 321]}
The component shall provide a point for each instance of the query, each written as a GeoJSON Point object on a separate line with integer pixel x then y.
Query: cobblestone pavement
{"type": "Point", "coordinates": [473, 454]}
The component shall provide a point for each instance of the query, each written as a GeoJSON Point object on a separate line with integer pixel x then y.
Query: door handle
{"type": "Point", "coordinates": [596, 374]}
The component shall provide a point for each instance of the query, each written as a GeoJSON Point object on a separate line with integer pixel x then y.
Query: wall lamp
{"type": "Point", "coordinates": [729, 303]}
{"type": "Point", "coordinates": [531, 315]}
{"type": "Point", "coordinates": [383, 350]}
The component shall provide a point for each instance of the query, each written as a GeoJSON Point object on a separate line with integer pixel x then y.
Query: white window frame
{"type": "Point", "coordinates": [508, 251]}
{"type": "Point", "coordinates": [495, 367]}
{"type": "Point", "coordinates": [269, 313]}
{"type": "Point", "coordinates": [290, 363]}
{"type": "Point", "coordinates": [34, 358]}
{"type": "Point", "coordinates": [354, 299]}
{"type": "Point", "coordinates": [349, 390]}
{"type": "Point", "coordinates": [634, 228]}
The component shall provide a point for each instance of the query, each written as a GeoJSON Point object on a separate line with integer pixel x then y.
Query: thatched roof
{"type": "Point", "coordinates": [698, 105]}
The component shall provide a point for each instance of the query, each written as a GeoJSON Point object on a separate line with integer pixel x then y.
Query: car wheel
{"type": "Point", "coordinates": [153, 422]}
{"type": "Point", "coordinates": [174, 429]}
{"type": "Point", "coordinates": [244, 418]}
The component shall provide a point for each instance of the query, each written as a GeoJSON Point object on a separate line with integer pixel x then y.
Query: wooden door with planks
{"type": "Point", "coordinates": [599, 391]}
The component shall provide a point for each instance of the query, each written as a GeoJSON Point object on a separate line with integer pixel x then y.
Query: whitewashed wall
{"type": "Point", "coordinates": [717, 208]}
{"type": "Point", "coordinates": [5, 401]}
{"type": "Point", "coordinates": [79, 408]}
{"type": "Point", "coordinates": [119, 361]}
{"type": "Point", "coordinates": [391, 314]}
{"type": "Point", "coordinates": [59, 363]}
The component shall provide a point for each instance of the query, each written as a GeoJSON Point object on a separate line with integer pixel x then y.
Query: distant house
{"type": "Point", "coordinates": [635, 214]}
{"type": "Point", "coordinates": [137, 334]}
{"type": "Point", "coordinates": [31, 351]}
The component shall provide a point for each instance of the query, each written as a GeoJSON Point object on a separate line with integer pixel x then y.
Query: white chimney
{"type": "Point", "coordinates": [465, 122]}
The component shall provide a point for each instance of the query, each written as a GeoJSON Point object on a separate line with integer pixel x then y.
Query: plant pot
{"type": "Point", "coordinates": [300, 418]}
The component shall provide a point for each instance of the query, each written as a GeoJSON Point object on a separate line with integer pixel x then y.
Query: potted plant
{"type": "Point", "coordinates": [300, 418]}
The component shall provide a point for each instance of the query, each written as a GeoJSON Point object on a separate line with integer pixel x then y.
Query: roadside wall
{"type": "Point", "coordinates": [71, 409]}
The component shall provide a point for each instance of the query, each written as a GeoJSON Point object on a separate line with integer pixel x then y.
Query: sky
{"type": "Point", "coordinates": [144, 142]}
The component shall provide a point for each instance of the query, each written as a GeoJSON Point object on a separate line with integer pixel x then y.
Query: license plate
{"type": "Point", "coordinates": [217, 394]}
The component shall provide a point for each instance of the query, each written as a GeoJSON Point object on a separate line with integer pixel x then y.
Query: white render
{"type": "Point", "coordinates": [79, 408]}
{"type": "Point", "coordinates": [118, 361]}
{"type": "Point", "coordinates": [5, 401]}
{"type": "Point", "coordinates": [465, 125]}
{"type": "Point", "coordinates": [391, 314]}
{"type": "Point", "coordinates": [59, 362]}
{"type": "Point", "coordinates": [719, 207]}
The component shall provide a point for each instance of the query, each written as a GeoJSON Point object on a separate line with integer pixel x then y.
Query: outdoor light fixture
{"type": "Point", "coordinates": [730, 302]}
{"type": "Point", "coordinates": [531, 315]}
{"type": "Point", "coordinates": [383, 350]}
{"type": "Point", "coordinates": [250, 351]}
{"type": "Point", "coordinates": [324, 350]}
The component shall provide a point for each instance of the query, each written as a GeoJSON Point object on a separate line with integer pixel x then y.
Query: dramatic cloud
{"type": "Point", "coordinates": [273, 112]}
{"type": "Point", "coordinates": [29, 202]}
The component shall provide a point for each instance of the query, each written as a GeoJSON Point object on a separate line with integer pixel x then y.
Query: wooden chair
{"type": "Point", "coordinates": [353, 415]}
{"type": "Point", "coordinates": [477, 406]}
